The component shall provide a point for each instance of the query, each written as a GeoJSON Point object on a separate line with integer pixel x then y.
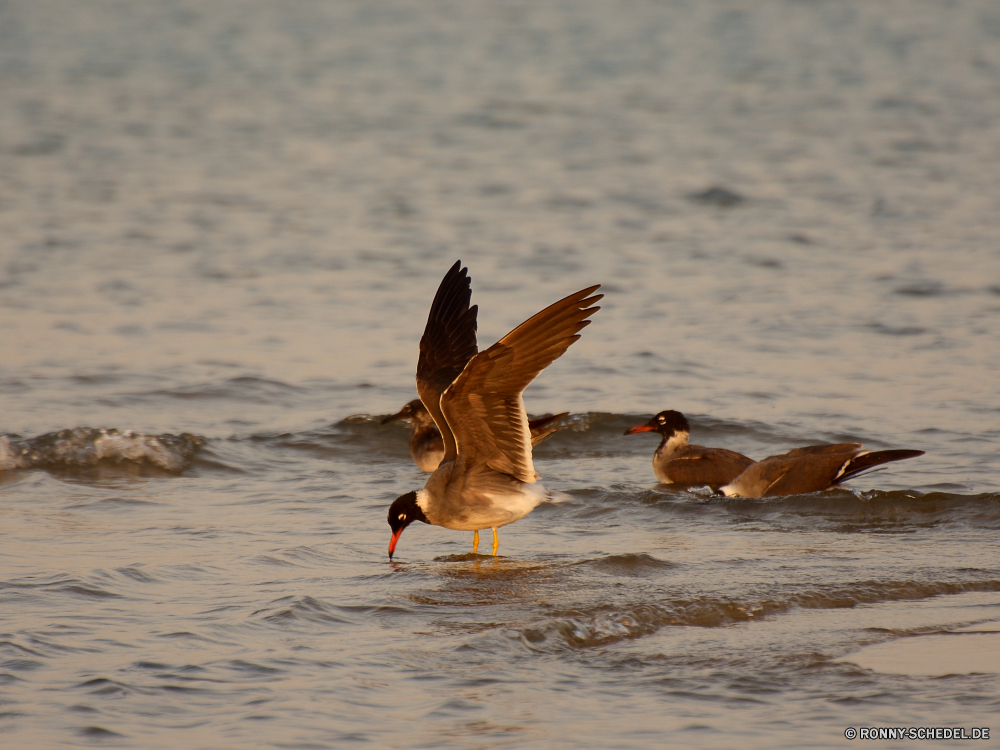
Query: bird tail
{"type": "Point", "coordinates": [866, 461]}
{"type": "Point", "coordinates": [546, 496]}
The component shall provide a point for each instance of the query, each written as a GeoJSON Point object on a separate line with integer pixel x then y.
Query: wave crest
{"type": "Point", "coordinates": [87, 446]}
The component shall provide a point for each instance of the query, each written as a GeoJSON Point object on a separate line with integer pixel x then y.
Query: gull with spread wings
{"type": "Point", "coordinates": [486, 478]}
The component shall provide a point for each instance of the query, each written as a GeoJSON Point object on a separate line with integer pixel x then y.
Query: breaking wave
{"type": "Point", "coordinates": [88, 446]}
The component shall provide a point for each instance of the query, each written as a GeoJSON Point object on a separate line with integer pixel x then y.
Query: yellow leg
{"type": "Point", "coordinates": [496, 542]}
{"type": "Point", "coordinates": [475, 542]}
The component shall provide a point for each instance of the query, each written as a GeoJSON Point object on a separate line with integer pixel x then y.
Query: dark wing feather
{"type": "Point", "coordinates": [448, 343]}
{"type": "Point", "coordinates": [542, 427]}
{"type": "Point", "coordinates": [867, 461]}
{"type": "Point", "coordinates": [484, 407]}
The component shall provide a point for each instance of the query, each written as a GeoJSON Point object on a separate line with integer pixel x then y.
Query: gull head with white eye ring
{"type": "Point", "coordinates": [403, 511]}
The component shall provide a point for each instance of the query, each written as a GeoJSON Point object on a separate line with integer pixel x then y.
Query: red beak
{"type": "Point", "coordinates": [392, 542]}
{"type": "Point", "coordinates": [640, 428]}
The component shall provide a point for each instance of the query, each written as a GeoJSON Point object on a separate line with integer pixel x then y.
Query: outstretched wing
{"type": "Point", "coordinates": [484, 408]}
{"type": "Point", "coordinates": [448, 343]}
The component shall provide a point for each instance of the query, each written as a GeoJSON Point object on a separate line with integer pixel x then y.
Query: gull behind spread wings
{"type": "Point", "coordinates": [427, 447]}
{"type": "Point", "coordinates": [485, 478]}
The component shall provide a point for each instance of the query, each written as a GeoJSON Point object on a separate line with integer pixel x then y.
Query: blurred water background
{"type": "Point", "coordinates": [221, 227]}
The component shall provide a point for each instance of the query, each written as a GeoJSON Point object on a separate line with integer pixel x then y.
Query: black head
{"type": "Point", "coordinates": [411, 411]}
{"type": "Point", "coordinates": [403, 511]}
{"type": "Point", "coordinates": [666, 423]}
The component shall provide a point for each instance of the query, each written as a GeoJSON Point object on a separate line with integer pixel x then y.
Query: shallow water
{"type": "Point", "coordinates": [221, 227]}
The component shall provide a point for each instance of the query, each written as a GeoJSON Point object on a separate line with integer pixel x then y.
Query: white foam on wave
{"type": "Point", "coordinates": [86, 446]}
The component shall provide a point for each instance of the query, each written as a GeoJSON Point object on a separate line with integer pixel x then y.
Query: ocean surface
{"type": "Point", "coordinates": [221, 228]}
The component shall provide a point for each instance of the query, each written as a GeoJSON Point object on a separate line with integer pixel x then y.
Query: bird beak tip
{"type": "Point", "coordinates": [392, 543]}
{"type": "Point", "coordinates": [639, 428]}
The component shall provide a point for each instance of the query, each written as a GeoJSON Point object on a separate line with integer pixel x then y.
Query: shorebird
{"type": "Point", "coordinates": [809, 469]}
{"type": "Point", "coordinates": [677, 462]}
{"type": "Point", "coordinates": [486, 478]}
{"type": "Point", "coordinates": [426, 445]}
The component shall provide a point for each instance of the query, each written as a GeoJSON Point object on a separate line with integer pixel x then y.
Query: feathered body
{"type": "Point", "coordinates": [678, 462]}
{"type": "Point", "coordinates": [426, 445]}
{"type": "Point", "coordinates": [486, 478]}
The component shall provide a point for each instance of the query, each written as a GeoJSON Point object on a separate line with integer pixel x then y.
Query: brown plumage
{"type": "Point", "coordinates": [483, 407]}
{"type": "Point", "coordinates": [486, 476]}
{"type": "Point", "coordinates": [677, 462]}
{"type": "Point", "coordinates": [427, 447]}
{"type": "Point", "coordinates": [810, 469]}
{"type": "Point", "coordinates": [448, 343]}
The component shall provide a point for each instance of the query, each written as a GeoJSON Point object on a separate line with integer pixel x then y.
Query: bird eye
{"type": "Point", "coordinates": [662, 420]}
{"type": "Point", "coordinates": [402, 516]}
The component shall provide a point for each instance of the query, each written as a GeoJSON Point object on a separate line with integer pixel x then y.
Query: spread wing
{"type": "Point", "coordinates": [448, 343]}
{"type": "Point", "coordinates": [484, 408]}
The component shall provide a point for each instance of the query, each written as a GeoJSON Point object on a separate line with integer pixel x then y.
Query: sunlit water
{"type": "Point", "coordinates": [221, 226]}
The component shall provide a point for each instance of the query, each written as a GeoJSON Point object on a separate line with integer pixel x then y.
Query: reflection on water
{"type": "Point", "coordinates": [222, 226]}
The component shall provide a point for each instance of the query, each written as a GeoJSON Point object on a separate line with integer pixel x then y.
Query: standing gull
{"type": "Point", "coordinates": [486, 478]}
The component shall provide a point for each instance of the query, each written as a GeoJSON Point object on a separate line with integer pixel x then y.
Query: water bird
{"type": "Point", "coordinates": [810, 469]}
{"type": "Point", "coordinates": [677, 462]}
{"type": "Point", "coordinates": [426, 445]}
{"type": "Point", "coordinates": [486, 478]}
